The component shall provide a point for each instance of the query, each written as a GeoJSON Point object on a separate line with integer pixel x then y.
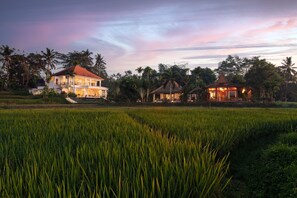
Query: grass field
{"type": "Point", "coordinates": [10, 98]}
{"type": "Point", "coordinates": [127, 152]}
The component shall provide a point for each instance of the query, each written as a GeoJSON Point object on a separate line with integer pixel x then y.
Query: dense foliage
{"type": "Point", "coordinates": [22, 71]}
{"type": "Point", "coordinates": [268, 81]}
{"type": "Point", "coordinates": [275, 172]}
{"type": "Point", "coordinates": [264, 78]}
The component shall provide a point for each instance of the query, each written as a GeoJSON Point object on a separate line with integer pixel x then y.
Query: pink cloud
{"type": "Point", "coordinates": [57, 34]}
{"type": "Point", "coordinates": [281, 25]}
{"type": "Point", "coordinates": [61, 35]}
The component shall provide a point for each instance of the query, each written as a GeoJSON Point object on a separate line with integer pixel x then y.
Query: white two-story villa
{"type": "Point", "coordinates": [80, 81]}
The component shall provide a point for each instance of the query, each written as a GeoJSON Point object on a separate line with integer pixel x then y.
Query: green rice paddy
{"type": "Point", "coordinates": [127, 152]}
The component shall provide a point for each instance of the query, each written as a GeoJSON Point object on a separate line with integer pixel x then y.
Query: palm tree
{"type": "Point", "coordinates": [6, 54]}
{"type": "Point", "coordinates": [82, 58]}
{"type": "Point", "coordinates": [139, 87]}
{"type": "Point", "coordinates": [147, 74]}
{"type": "Point", "coordinates": [99, 66]}
{"type": "Point", "coordinates": [50, 60]}
{"type": "Point", "coordinates": [169, 76]}
{"type": "Point", "coordinates": [86, 54]}
{"type": "Point", "coordinates": [139, 70]}
{"type": "Point", "coordinates": [25, 65]}
{"type": "Point", "coordinates": [288, 70]}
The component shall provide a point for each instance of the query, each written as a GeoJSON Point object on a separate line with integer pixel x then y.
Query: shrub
{"type": "Point", "coordinates": [289, 138]}
{"type": "Point", "coordinates": [274, 174]}
{"type": "Point", "coordinates": [72, 95]}
{"type": "Point", "coordinates": [52, 93]}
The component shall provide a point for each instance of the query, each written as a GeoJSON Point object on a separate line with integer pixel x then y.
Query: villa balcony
{"type": "Point", "coordinates": [77, 86]}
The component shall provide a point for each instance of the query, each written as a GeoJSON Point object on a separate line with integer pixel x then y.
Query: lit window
{"type": "Point", "coordinates": [232, 94]}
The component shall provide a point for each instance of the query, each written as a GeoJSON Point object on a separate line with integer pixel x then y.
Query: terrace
{"type": "Point", "coordinates": [223, 91]}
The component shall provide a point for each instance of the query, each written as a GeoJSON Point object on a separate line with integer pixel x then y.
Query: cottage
{"type": "Point", "coordinates": [168, 92]}
{"type": "Point", "coordinates": [223, 91]}
{"type": "Point", "coordinates": [196, 95]}
{"type": "Point", "coordinates": [79, 81]}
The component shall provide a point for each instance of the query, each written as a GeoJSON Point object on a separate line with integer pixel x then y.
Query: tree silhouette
{"type": "Point", "coordinates": [263, 78]}
{"type": "Point", "coordinates": [100, 66]}
{"type": "Point", "coordinates": [169, 76]}
{"type": "Point", "coordinates": [82, 58]}
{"type": "Point", "coordinates": [6, 58]}
{"type": "Point", "coordinates": [50, 58]}
{"type": "Point", "coordinates": [288, 70]}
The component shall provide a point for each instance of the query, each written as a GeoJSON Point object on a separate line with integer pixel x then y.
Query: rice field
{"type": "Point", "coordinates": [126, 152]}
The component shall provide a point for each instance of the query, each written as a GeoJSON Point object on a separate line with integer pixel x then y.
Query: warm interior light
{"type": "Point", "coordinates": [232, 88]}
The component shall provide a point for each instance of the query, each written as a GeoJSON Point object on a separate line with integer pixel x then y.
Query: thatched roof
{"type": "Point", "coordinates": [165, 88]}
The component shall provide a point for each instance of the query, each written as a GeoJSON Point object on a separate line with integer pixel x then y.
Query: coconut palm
{"type": "Point", "coordinates": [139, 70]}
{"type": "Point", "coordinates": [82, 58]}
{"type": "Point", "coordinates": [289, 73]}
{"type": "Point", "coordinates": [168, 77]}
{"type": "Point", "coordinates": [50, 60]}
{"type": "Point", "coordinates": [99, 66]}
{"type": "Point", "coordinates": [139, 87]}
{"type": "Point", "coordinates": [147, 75]}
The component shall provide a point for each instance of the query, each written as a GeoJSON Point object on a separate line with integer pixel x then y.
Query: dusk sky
{"type": "Point", "coordinates": [133, 33]}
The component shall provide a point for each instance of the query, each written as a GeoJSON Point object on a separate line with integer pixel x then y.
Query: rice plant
{"type": "Point", "coordinates": [122, 152]}
{"type": "Point", "coordinates": [100, 153]}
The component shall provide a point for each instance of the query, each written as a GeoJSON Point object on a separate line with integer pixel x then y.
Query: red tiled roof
{"type": "Point", "coordinates": [222, 79]}
{"type": "Point", "coordinates": [77, 70]}
{"type": "Point", "coordinates": [222, 82]}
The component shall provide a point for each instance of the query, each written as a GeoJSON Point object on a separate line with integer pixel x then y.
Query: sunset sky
{"type": "Point", "coordinates": [133, 33]}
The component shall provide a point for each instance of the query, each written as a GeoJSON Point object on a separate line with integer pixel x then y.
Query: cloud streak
{"type": "Point", "coordinates": [131, 33]}
{"type": "Point", "coordinates": [203, 48]}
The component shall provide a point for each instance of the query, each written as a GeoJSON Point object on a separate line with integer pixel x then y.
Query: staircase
{"type": "Point", "coordinates": [89, 100]}
{"type": "Point", "coordinates": [71, 100]}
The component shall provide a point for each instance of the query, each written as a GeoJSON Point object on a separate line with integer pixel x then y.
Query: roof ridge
{"type": "Point", "coordinates": [77, 70]}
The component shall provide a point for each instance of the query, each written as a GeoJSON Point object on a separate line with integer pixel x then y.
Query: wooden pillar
{"type": "Point", "coordinates": [73, 80]}
{"type": "Point", "coordinates": [154, 97]}
{"type": "Point", "coordinates": [216, 94]}
{"type": "Point", "coordinates": [85, 92]}
{"type": "Point", "coordinates": [67, 77]}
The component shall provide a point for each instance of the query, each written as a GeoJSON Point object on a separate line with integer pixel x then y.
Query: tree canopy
{"type": "Point", "coordinates": [268, 82]}
{"type": "Point", "coordinates": [99, 67]}
{"type": "Point", "coordinates": [264, 78]}
{"type": "Point", "coordinates": [83, 58]}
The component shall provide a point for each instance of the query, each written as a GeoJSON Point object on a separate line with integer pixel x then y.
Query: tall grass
{"type": "Point", "coordinates": [160, 152]}
{"type": "Point", "coordinates": [220, 128]}
{"type": "Point", "coordinates": [8, 98]}
{"type": "Point", "coordinates": [83, 153]}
